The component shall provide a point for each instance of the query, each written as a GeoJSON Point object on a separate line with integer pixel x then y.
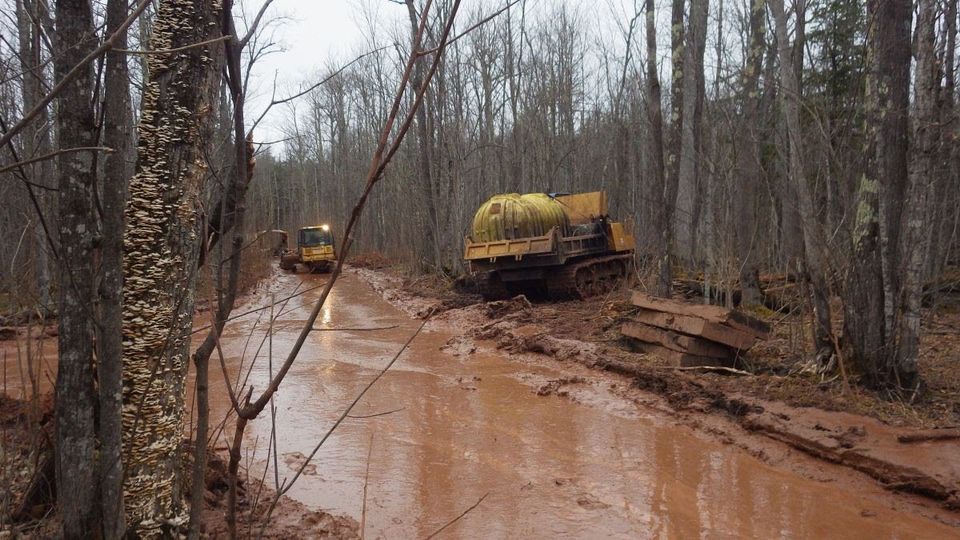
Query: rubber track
{"type": "Point", "coordinates": [491, 288]}
{"type": "Point", "coordinates": [562, 284]}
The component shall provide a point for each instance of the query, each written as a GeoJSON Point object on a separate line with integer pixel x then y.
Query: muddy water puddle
{"type": "Point", "coordinates": [443, 430]}
{"type": "Point", "coordinates": [449, 426]}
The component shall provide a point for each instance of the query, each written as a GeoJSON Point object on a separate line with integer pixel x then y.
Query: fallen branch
{"type": "Point", "coordinates": [382, 156]}
{"type": "Point", "coordinates": [366, 482]}
{"type": "Point", "coordinates": [369, 329]}
{"type": "Point", "coordinates": [721, 369]}
{"type": "Point", "coordinates": [929, 435]}
{"type": "Point", "coordinates": [374, 415]}
{"type": "Point", "coordinates": [458, 518]}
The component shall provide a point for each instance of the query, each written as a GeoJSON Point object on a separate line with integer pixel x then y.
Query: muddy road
{"type": "Point", "coordinates": [553, 449]}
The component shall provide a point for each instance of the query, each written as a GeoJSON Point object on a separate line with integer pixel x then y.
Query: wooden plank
{"type": "Point", "coordinates": [674, 341]}
{"type": "Point", "coordinates": [696, 326]}
{"type": "Point", "coordinates": [680, 359]}
{"type": "Point", "coordinates": [717, 314]}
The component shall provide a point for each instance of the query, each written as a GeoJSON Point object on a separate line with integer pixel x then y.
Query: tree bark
{"type": "Point", "coordinates": [662, 196]}
{"type": "Point", "coordinates": [892, 50]}
{"type": "Point", "coordinates": [76, 452]}
{"type": "Point", "coordinates": [870, 295]}
{"type": "Point", "coordinates": [813, 241]}
{"type": "Point", "coordinates": [162, 247]}
{"type": "Point", "coordinates": [672, 167]}
{"type": "Point", "coordinates": [234, 205]}
{"type": "Point", "coordinates": [749, 165]}
{"type": "Point", "coordinates": [688, 192]}
{"type": "Point", "coordinates": [425, 183]}
{"type": "Point", "coordinates": [902, 369]}
{"type": "Point", "coordinates": [117, 171]}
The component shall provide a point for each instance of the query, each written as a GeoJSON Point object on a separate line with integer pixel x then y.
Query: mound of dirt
{"type": "Point", "coordinates": [555, 386]}
{"type": "Point", "coordinates": [501, 308]}
{"type": "Point", "coordinates": [290, 518]}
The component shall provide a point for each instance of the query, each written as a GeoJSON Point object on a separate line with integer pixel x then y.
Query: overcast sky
{"type": "Point", "coordinates": [311, 33]}
{"type": "Point", "coordinates": [323, 33]}
{"type": "Point", "coordinates": [315, 34]}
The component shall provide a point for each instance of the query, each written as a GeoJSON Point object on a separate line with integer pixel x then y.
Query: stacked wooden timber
{"type": "Point", "coordinates": [687, 334]}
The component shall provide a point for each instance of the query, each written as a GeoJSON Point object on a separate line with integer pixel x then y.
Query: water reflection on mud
{"type": "Point", "coordinates": [473, 425]}
{"type": "Point", "coordinates": [463, 426]}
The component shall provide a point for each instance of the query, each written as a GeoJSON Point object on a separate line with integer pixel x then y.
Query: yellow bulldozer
{"type": "Point", "coordinates": [552, 245]}
{"type": "Point", "coordinates": [315, 250]}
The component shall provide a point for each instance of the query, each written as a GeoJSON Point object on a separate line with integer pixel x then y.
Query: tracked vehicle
{"type": "Point", "coordinates": [315, 250]}
{"type": "Point", "coordinates": [548, 245]}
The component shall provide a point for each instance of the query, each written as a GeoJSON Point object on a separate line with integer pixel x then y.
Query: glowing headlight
{"type": "Point", "coordinates": [326, 228]}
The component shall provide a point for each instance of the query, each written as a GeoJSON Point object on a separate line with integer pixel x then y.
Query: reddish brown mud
{"type": "Point", "coordinates": [552, 448]}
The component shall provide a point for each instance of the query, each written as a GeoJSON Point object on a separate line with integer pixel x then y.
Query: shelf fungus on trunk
{"type": "Point", "coordinates": [161, 245]}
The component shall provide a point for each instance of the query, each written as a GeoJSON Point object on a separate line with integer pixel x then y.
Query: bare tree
{"type": "Point", "coordinates": [749, 165]}
{"type": "Point", "coordinates": [117, 118]}
{"type": "Point", "coordinates": [161, 251]}
{"type": "Point", "coordinates": [661, 193]}
{"type": "Point", "coordinates": [813, 240]}
{"type": "Point", "coordinates": [872, 295]}
{"type": "Point", "coordinates": [425, 184]}
{"type": "Point", "coordinates": [691, 136]}
{"type": "Point", "coordinates": [76, 452]}
{"type": "Point", "coordinates": [35, 140]}
{"type": "Point", "coordinates": [674, 139]}
{"type": "Point", "coordinates": [915, 228]}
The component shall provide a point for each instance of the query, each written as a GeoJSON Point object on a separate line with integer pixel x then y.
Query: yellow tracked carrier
{"type": "Point", "coordinates": [556, 245]}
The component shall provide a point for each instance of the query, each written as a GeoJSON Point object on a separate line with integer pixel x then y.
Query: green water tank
{"type": "Point", "coordinates": [511, 216]}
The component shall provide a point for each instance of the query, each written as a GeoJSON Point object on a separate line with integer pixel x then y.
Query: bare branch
{"type": "Point", "coordinates": [306, 91]}
{"type": "Point", "coordinates": [458, 518]}
{"type": "Point", "coordinates": [256, 22]}
{"type": "Point", "coordinates": [77, 70]}
{"type": "Point", "coordinates": [178, 49]}
{"type": "Point", "coordinates": [54, 154]}
{"type": "Point", "coordinates": [482, 22]}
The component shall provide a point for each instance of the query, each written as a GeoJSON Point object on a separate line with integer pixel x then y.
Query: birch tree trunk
{"type": "Point", "coordinates": [872, 288]}
{"type": "Point", "coordinates": [691, 126]}
{"type": "Point", "coordinates": [76, 447]}
{"type": "Point", "coordinates": [902, 368]}
{"type": "Point", "coordinates": [162, 246]}
{"type": "Point", "coordinates": [672, 167]}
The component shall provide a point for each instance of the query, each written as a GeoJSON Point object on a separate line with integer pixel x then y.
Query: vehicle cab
{"type": "Point", "coordinates": [316, 247]}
